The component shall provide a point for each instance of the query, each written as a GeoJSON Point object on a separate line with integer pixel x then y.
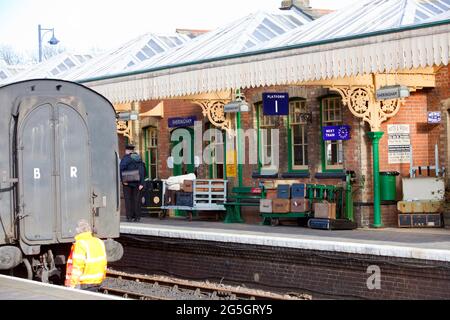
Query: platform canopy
{"type": "Point", "coordinates": [371, 36]}
{"type": "Point", "coordinates": [53, 67]}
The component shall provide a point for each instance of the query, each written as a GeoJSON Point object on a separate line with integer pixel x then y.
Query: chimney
{"type": "Point", "coordinates": [286, 4]}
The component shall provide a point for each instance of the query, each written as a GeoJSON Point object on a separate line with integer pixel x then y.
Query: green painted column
{"type": "Point", "coordinates": [240, 166]}
{"type": "Point", "coordinates": [375, 137]}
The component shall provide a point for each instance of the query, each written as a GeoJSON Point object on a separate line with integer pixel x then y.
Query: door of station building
{"type": "Point", "coordinates": [183, 166]}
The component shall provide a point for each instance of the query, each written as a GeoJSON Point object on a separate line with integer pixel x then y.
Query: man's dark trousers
{"type": "Point", "coordinates": [132, 202]}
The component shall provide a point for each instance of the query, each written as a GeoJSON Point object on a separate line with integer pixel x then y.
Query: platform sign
{"type": "Point", "coordinates": [275, 104]}
{"type": "Point", "coordinates": [434, 117]}
{"type": "Point", "coordinates": [399, 143]}
{"type": "Point", "coordinates": [334, 133]}
{"type": "Point", "coordinates": [182, 122]}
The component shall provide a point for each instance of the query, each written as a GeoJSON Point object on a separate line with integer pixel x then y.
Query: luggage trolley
{"type": "Point", "coordinates": [206, 195]}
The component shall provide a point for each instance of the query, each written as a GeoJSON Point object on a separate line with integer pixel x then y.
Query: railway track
{"type": "Point", "coordinates": [144, 287]}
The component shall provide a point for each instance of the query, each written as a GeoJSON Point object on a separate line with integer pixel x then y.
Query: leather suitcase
{"type": "Point", "coordinates": [325, 210]}
{"type": "Point", "coordinates": [281, 206]}
{"type": "Point", "coordinates": [188, 186]}
{"type": "Point", "coordinates": [300, 205]}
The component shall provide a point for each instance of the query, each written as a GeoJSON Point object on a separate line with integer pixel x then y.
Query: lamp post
{"type": "Point", "coordinates": [53, 41]}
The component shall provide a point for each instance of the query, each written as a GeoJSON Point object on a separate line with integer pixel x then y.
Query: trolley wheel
{"type": "Point", "coordinates": [275, 222]}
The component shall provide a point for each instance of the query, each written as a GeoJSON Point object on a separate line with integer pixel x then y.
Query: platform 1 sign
{"type": "Point", "coordinates": [333, 133]}
{"type": "Point", "coordinates": [276, 104]}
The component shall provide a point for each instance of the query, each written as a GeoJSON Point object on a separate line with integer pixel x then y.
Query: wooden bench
{"type": "Point", "coordinates": [242, 197]}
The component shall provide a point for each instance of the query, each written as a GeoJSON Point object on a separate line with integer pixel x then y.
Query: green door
{"type": "Point", "coordinates": [182, 166]}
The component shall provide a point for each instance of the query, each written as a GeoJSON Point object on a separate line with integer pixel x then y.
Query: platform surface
{"type": "Point", "coordinates": [21, 289]}
{"type": "Point", "coordinates": [425, 244]}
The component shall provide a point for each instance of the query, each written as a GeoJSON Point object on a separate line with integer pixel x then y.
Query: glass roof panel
{"type": "Point", "coordinates": [273, 26]}
{"type": "Point", "coordinates": [130, 64]}
{"type": "Point", "coordinates": [54, 72]}
{"type": "Point", "coordinates": [177, 41]}
{"type": "Point", "coordinates": [260, 36]}
{"type": "Point", "coordinates": [432, 8]}
{"type": "Point", "coordinates": [155, 46]}
{"type": "Point", "coordinates": [148, 52]}
{"type": "Point", "coordinates": [141, 56]}
{"type": "Point", "coordinates": [69, 63]}
{"type": "Point", "coordinates": [421, 16]}
{"type": "Point", "coordinates": [62, 67]}
{"type": "Point", "coordinates": [269, 34]}
{"type": "Point", "coordinates": [441, 5]}
{"type": "Point", "coordinates": [168, 42]}
{"type": "Point", "coordinates": [3, 75]}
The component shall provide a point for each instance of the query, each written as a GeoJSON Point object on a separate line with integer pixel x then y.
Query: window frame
{"type": "Point", "coordinates": [258, 107]}
{"type": "Point", "coordinates": [292, 168]}
{"type": "Point", "coordinates": [150, 149]}
{"type": "Point", "coordinates": [325, 167]}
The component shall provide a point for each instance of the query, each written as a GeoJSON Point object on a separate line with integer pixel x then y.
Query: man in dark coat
{"type": "Point", "coordinates": [132, 175]}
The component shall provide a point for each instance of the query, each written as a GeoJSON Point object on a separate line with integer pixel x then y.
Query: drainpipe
{"type": "Point", "coordinates": [375, 137]}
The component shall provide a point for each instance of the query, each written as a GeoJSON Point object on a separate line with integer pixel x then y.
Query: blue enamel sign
{"type": "Point", "coordinates": [336, 133]}
{"type": "Point", "coordinates": [182, 122]}
{"type": "Point", "coordinates": [434, 117]}
{"type": "Point", "coordinates": [276, 104]}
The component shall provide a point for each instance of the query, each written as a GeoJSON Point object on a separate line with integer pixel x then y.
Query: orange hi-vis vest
{"type": "Point", "coordinates": [87, 261]}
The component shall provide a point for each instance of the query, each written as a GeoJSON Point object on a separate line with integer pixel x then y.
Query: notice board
{"type": "Point", "coordinates": [399, 143]}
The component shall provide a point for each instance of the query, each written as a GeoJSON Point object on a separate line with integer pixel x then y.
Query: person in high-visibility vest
{"type": "Point", "coordinates": [86, 265]}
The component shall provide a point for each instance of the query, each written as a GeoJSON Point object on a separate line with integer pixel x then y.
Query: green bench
{"type": "Point", "coordinates": [242, 197]}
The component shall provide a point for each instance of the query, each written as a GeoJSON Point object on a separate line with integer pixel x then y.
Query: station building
{"type": "Point", "coordinates": [330, 66]}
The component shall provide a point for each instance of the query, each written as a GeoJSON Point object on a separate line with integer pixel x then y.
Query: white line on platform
{"type": "Point", "coordinates": [290, 242]}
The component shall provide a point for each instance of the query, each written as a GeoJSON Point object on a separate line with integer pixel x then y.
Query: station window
{"type": "Point", "coordinates": [266, 124]}
{"type": "Point", "coordinates": [151, 151]}
{"type": "Point", "coordinates": [298, 138]}
{"type": "Point", "coordinates": [332, 151]}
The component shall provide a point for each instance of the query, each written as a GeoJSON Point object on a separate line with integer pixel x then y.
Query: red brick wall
{"type": "Point", "coordinates": [320, 273]}
{"type": "Point", "coordinates": [358, 150]}
{"type": "Point", "coordinates": [172, 109]}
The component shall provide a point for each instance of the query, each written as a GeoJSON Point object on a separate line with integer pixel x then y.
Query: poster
{"type": "Point", "coordinates": [399, 143]}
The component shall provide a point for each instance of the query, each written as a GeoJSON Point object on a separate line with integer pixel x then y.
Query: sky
{"type": "Point", "coordinates": [84, 25]}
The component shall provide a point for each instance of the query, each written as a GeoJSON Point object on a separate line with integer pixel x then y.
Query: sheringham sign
{"type": "Point", "coordinates": [392, 92]}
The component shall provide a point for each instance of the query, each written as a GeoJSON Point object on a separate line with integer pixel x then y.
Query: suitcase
{"type": "Point", "coordinates": [265, 206]}
{"type": "Point", "coordinates": [184, 199]}
{"type": "Point", "coordinates": [298, 190]}
{"type": "Point", "coordinates": [281, 206]}
{"type": "Point", "coordinates": [300, 205]}
{"type": "Point", "coordinates": [170, 198]}
{"type": "Point", "coordinates": [325, 210]}
{"type": "Point", "coordinates": [152, 194]}
{"type": "Point", "coordinates": [332, 224]}
{"type": "Point", "coordinates": [283, 191]}
{"type": "Point", "coordinates": [188, 186]}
